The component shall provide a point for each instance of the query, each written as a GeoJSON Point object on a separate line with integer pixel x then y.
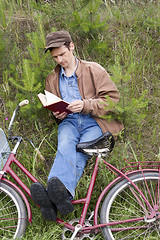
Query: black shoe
{"type": "Point", "coordinates": [59, 195]}
{"type": "Point", "coordinates": [40, 197]}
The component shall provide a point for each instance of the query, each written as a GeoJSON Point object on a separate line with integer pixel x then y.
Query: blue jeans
{"type": "Point", "coordinates": [69, 164]}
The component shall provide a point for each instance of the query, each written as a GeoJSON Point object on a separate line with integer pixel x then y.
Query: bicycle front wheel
{"type": "Point", "coordinates": [13, 217]}
{"type": "Point", "coordinates": [132, 216]}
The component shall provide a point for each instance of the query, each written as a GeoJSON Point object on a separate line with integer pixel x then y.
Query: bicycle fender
{"type": "Point", "coordinates": [18, 190]}
{"type": "Point", "coordinates": [109, 186]}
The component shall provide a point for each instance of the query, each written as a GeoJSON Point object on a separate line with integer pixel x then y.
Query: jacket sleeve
{"type": "Point", "coordinates": [103, 86]}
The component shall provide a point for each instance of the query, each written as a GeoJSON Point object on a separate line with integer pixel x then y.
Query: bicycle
{"type": "Point", "coordinates": [131, 202]}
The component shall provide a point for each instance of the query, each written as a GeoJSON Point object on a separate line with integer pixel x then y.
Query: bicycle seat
{"type": "Point", "coordinates": [104, 144]}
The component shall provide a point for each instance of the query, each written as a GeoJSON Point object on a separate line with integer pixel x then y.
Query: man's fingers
{"type": "Point", "coordinates": [59, 115]}
{"type": "Point", "coordinates": [76, 106]}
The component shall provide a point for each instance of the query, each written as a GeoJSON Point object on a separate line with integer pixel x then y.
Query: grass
{"type": "Point", "coordinates": [123, 37]}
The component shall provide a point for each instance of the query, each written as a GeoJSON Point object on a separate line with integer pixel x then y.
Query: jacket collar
{"type": "Point", "coordinates": [78, 70]}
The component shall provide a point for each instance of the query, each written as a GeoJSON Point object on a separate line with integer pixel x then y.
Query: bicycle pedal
{"type": "Point", "coordinates": [78, 227]}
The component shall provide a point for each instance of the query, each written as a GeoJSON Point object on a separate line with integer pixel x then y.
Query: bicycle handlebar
{"type": "Point", "coordinates": [21, 104]}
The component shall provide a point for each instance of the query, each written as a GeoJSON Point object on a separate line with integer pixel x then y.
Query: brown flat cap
{"type": "Point", "coordinates": [57, 39]}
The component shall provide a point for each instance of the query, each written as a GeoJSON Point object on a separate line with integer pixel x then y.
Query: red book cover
{"type": "Point", "coordinates": [53, 103]}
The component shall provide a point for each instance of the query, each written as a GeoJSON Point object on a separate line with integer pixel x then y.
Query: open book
{"type": "Point", "coordinates": [53, 103]}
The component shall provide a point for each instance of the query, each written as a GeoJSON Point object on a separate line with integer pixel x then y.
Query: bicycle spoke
{"type": "Point", "coordinates": [129, 202]}
{"type": "Point", "coordinates": [8, 214]}
{"type": "Point", "coordinates": [12, 216]}
{"type": "Point", "coordinates": [145, 233]}
{"type": "Point", "coordinates": [130, 210]}
{"type": "Point", "coordinates": [135, 228]}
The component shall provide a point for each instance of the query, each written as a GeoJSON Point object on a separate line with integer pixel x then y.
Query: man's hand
{"type": "Point", "coordinates": [76, 106]}
{"type": "Point", "coordinates": [60, 116]}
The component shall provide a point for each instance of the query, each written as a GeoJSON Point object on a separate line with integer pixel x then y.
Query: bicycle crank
{"type": "Point", "coordinates": [67, 233]}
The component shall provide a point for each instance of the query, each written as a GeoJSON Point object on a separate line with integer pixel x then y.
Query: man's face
{"type": "Point", "coordinates": [63, 56]}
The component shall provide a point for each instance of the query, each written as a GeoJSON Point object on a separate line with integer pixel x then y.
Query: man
{"type": "Point", "coordinates": [84, 85]}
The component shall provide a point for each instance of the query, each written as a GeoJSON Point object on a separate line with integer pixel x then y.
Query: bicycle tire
{"type": "Point", "coordinates": [121, 204]}
{"type": "Point", "coordinates": [13, 216]}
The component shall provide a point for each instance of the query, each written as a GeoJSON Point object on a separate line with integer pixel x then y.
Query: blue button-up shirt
{"type": "Point", "coordinates": [68, 86]}
{"type": "Point", "coordinates": [69, 90]}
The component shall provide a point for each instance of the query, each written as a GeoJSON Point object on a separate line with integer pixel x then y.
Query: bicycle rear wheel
{"type": "Point", "coordinates": [123, 203]}
{"type": "Point", "coordinates": [13, 217]}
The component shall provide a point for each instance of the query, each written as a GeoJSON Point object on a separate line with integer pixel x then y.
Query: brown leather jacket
{"type": "Point", "coordinates": [94, 84]}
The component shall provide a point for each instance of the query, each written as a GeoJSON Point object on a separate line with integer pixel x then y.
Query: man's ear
{"type": "Point", "coordinates": [71, 47]}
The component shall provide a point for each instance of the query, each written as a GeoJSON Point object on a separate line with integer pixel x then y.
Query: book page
{"type": "Point", "coordinates": [54, 103]}
{"type": "Point", "coordinates": [51, 98]}
{"type": "Point", "coordinates": [42, 98]}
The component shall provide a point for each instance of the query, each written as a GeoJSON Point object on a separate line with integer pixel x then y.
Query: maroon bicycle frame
{"type": "Point", "coordinates": [86, 201]}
